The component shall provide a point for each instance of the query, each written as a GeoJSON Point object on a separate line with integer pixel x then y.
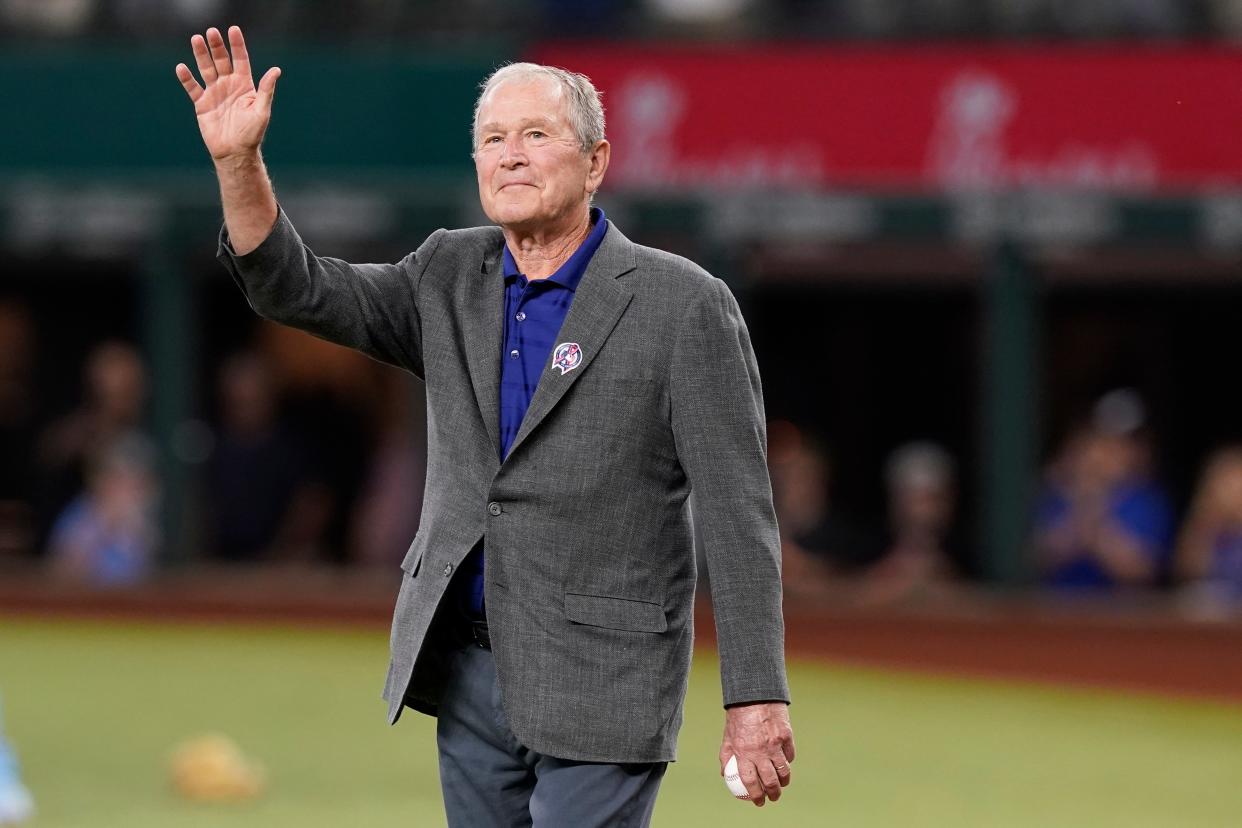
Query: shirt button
{"type": "Point", "coordinates": [513, 354]}
{"type": "Point", "coordinates": [521, 316]}
{"type": "Point", "coordinates": [448, 570]}
{"type": "Point", "coordinates": [493, 508]}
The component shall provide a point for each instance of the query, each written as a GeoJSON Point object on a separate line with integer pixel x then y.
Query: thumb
{"type": "Point", "coordinates": [267, 86]}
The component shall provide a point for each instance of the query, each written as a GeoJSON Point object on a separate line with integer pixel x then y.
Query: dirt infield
{"type": "Point", "coordinates": [1157, 654]}
{"type": "Point", "coordinates": [1145, 646]}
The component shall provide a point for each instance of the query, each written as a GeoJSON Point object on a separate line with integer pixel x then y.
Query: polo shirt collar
{"type": "Point", "coordinates": [569, 274]}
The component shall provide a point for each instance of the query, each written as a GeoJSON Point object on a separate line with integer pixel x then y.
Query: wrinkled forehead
{"type": "Point", "coordinates": [522, 100]}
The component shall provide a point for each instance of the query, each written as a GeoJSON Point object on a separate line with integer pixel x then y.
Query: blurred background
{"type": "Point", "coordinates": [990, 255]}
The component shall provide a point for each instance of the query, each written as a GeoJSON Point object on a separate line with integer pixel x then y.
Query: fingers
{"type": "Point", "coordinates": [750, 778]}
{"type": "Point", "coordinates": [770, 780]}
{"type": "Point", "coordinates": [782, 760]}
{"type": "Point", "coordinates": [267, 87]}
{"type": "Point", "coordinates": [765, 777]}
{"type": "Point", "coordinates": [241, 57]}
{"type": "Point", "coordinates": [188, 82]}
{"type": "Point", "coordinates": [219, 53]}
{"type": "Point", "coordinates": [784, 774]}
{"type": "Point", "coordinates": [213, 59]}
{"type": "Point", "coordinates": [202, 57]}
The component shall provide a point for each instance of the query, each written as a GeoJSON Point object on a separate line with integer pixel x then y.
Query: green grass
{"type": "Point", "coordinates": [95, 707]}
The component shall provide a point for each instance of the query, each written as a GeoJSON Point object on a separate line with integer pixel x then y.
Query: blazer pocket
{"type": "Point", "coordinates": [615, 613]}
{"type": "Point", "coordinates": [413, 557]}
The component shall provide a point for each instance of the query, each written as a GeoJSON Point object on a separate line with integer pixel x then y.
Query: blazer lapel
{"type": "Point", "coordinates": [598, 303]}
{"type": "Point", "coordinates": [481, 326]}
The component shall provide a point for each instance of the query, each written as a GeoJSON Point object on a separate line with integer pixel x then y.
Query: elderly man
{"type": "Point", "coordinates": [579, 387]}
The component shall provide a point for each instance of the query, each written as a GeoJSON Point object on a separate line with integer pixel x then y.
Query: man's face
{"type": "Point", "coordinates": [532, 171]}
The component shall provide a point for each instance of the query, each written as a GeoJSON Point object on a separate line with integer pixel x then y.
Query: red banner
{"type": "Point", "coordinates": [1133, 119]}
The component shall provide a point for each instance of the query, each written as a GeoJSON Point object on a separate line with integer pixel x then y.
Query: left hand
{"type": "Point", "coordinates": [760, 736]}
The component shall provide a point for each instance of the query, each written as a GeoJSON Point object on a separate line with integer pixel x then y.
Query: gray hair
{"type": "Point", "coordinates": [585, 110]}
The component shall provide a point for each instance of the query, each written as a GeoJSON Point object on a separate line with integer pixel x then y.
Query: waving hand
{"type": "Point", "coordinates": [232, 113]}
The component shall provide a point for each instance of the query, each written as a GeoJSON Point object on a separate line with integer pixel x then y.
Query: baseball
{"type": "Point", "coordinates": [733, 779]}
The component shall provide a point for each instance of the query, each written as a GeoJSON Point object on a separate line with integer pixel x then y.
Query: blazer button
{"type": "Point", "coordinates": [448, 570]}
{"type": "Point", "coordinates": [493, 508]}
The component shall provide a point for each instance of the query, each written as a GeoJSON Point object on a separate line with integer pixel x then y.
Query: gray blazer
{"type": "Point", "coordinates": [590, 566]}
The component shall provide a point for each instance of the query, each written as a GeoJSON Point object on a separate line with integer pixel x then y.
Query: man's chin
{"type": "Point", "coordinates": [515, 217]}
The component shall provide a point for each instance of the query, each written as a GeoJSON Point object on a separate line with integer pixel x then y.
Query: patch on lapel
{"type": "Point", "coordinates": [566, 357]}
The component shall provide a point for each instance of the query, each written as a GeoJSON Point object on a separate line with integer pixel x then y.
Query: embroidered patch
{"type": "Point", "coordinates": [567, 357]}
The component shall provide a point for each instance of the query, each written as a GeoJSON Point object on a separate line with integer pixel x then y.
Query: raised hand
{"type": "Point", "coordinates": [232, 113]}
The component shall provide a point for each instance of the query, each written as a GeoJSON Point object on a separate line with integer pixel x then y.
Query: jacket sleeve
{"type": "Point", "coordinates": [721, 437]}
{"type": "Point", "coordinates": [372, 308]}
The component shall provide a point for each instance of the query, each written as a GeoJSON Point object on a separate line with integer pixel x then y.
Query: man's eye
{"type": "Point", "coordinates": [534, 133]}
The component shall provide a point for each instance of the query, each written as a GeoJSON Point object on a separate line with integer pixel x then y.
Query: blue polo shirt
{"type": "Point", "coordinates": [534, 311]}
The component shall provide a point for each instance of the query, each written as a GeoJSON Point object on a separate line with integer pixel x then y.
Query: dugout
{"type": "Point", "coordinates": [870, 332]}
{"type": "Point", "coordinates": [994, 337]}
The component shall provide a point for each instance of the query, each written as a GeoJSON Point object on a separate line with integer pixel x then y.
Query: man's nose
{"type": "Point", "coordinates": [511, 155]}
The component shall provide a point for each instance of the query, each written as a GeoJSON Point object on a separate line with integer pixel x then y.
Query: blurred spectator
{"type": "Point", "coordinates": [48, 17]}
{"type": "Point", "coordinates": [16, 803]}
{"type": "Point", "coordinates": [567, 18]}
{"type": "Point", "coordinates": [815, 542]}
{"type": "Point", "coordinates": [114, 398]}
{"type": "Point", "coordinates": [1209, 550]}
{"type": "Point", "coordinates": [733, 19]}
{"type": "Point", "coordinates": [328, 394]}
{"type": "Point", "coordinates": [158, 16]}
{"type": "Point", "coordinates": [108, 535]}
{"type": "Point", "coordinates": [903, 18]}
{"type": "Point", "coordinates": [1107, 18]}
{"type": "Point", "coordinates": [922, 496]}
{"type": "Point", "coordinates": [1226, 17]}
{"type": "Point", "coordinates": [1096, 18]}
{"type": "Point", "coordinates": [711, 18]}
{"type": "Point", "coordinates": [1102, 520]}
{"type": "Point", "coordinates": [390, 504]}
{"type": "Point", "coordinates": [17, 430]}
{"type": "Point", "coordinates": [263, 499]}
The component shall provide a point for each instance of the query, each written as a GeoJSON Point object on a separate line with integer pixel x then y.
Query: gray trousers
{"type": "Point", "coordinates": [490, 779]}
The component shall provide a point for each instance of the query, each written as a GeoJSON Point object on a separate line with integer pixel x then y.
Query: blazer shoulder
{"type": "Point", "coordinates": [447, 252]}
{"type": "Point", "coordinates": [675, 273]}
{"type": "Point", "coordinates": [471, 239]}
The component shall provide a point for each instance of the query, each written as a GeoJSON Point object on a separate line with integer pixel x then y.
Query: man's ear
{"type": "Point", "coordinates": [599, 165]}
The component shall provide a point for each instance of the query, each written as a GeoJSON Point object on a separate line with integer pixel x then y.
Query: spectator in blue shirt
{"type": "Point", "coordinates": [1209, 549]}
{"type": "Point", "coordinates": [108, 536]}
{"type": "Point", "coordinates": [1102, 521]}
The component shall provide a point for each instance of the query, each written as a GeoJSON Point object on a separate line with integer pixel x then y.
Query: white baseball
{"type": "Point", "coordinates": [733, 779]}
